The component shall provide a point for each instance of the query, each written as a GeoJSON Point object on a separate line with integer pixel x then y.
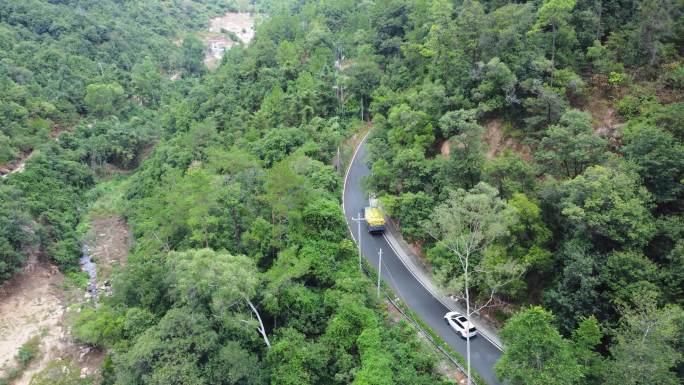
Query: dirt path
{"type": "Point", "coordinates": [34, 304]}
{"type": "Point", "coordinates": [17, 166]}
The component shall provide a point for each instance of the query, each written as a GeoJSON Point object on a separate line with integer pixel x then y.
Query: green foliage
{"type": "Point", "coordinates": [658, 158]}
{"type": "Point", "coordinates": [205, 277]}
{"type": "Point", "coordinates": [510, 174]}
{"type": "Point", "coordinates": [626, 273]}
{"type": "Point", "coordinates": [174, 350]}
{"type": "Point", "coordinates": [535, 352]}
{"type": "Point", "coordinates": [577, 292]}
{"type": "Point", "coordinates": [609, 203]}
{"type": "Point", "coordinates": [63, 66]}
{"type": "Point", "coordinates": [14, 234]}
{"type": "Point", "coordinates": [239, 233]}
{"type": "Point", "coordinates": [529, 234]}
{"type": "Point", "coordinates": [570, 147]}
{"type": "Point", "coordinates": [103, 99]}
{"type": "Point", "coordinates": [468, 224]}
{"type": "Point", "coordinates": [586, 338]}
{"type": "Point", "coordinates": [147, 82]}
{"type": "Point", "coordinates": [192, 54]}
{"type": "Point", "coordinates": [410, 128]}
{"type": "Point", "coordinates": [554, 14]}
{"type": "Point", "coordinates": [99, 328]}
{"type": "Point", "coordinates": [296, 360]}
{"type": "Point", "coordinates": [617, 78]}
{"type": "Point", "coordinates": [29, 351]}
{"type": "Point", "coordinates": [236, 206]}
{"type": "Point", "coordinates": [410, 209]}
{"type": "Point", "coordinates": [497, 87]}
{"type": "Point", "coordinates": [603, 62]}
{"type": "Point", "coordinates": [646, 343]}
{"type": "Point", "coordinates": [375, 361]}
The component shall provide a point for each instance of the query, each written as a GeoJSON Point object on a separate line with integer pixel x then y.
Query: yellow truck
{"type": "Point", "coordinates": [374, 219]}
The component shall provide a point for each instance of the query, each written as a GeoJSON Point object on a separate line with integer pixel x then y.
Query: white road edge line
{"type": "Point", "coordinates": [434, 295]}
{"type": "Point", "coordinates": [344, 184]}
{"type": "Point", "coordinates": [432, 292]}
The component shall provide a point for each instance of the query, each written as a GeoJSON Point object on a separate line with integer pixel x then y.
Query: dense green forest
{"type": "Point", "coordinates": [235, 211]}
{"type": "Point", "coordinates": [242, 271]}
{"type": "Point", "coordinates": [237, 220]}
{"type": "Point", "coordinates": [593, 213]}
{"type": "Point", "coordinates": [99, 72]}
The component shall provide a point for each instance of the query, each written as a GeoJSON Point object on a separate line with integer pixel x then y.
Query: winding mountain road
{"type": "Point", "coordinates": [483, 354]}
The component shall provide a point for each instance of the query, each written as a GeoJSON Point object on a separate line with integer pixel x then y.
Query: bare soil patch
{"type": "Point", "coordinates": [394, 314]}
{"type": "Point", "coordinates": [452, 372]}
{"type": "Point", "coordinates": [16, 166]}
{"type": "Point", "coordinates": [445, 149]}
{"type": "Point", "coordinates": [497, 141]}
{"type": "Point", "coordinates": [30, 303]}
{"type": "Point", "coordinates": [34, 304]}
{"type": "Point", "coordinates": [218, 38]}
{"type": "Point", "coordinates": [605, 119]}
{"type": "Point", "coordinates": [110, 244]}
{"type": "Point", "coordinates": [240, 23]}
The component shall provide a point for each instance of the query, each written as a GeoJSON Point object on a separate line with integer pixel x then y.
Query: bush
{"type": "Point", "coordinates": [101, 327]}
{"type": "Point", "coordinates": [617, 78]}
{"type": "Point", "coordinates": [29, 351]}
{"type": "Point", "coordinates": [629, 106]}
{"type": "Point", "coordinates": [674, 76]}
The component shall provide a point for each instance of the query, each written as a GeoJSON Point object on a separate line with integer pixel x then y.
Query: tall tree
{"type": "Point", "coordinates": [220, 280]}
{"type": "Point", "coordinates": [609, 204]}
{"type": "Point", "coordinates": [467, 224]}
{"type": "Point", "coordinates": [553, 14]}
{"type": "Point", "coordinates": [104, 99]}
{"type": "Point", "coordinates": [462, 166]}
{"type": "Point", "coordinates": [658, 158]}
{"type": "Point", "coordinates": [571, 146]}
{"type": "Point", "coordinates": [192, 54]}
{"type": "Point", "coordinates": [577, 292]}
{"type": "Point", "coordinates": [585, 339]}
{"type": "Point", "coordinates": [646, 343]}
{"type": "Point", "coordinates": [535, 353]}
{"type": "Point", "coordinates": [147, 82]}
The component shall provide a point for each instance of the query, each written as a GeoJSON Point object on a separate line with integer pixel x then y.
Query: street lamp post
{"type": "Point", "coordinates": [379, 269]}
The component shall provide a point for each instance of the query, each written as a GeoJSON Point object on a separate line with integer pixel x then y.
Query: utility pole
{"type": "Point", "coordinates": [339, 160]}
{"type": "Point", "coordinates": [358, 237]}
{"type": "Point", "coordinates": [379, 269]}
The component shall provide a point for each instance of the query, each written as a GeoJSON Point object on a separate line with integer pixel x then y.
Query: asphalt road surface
{"type": "Point", "coordinates": [483, 354]}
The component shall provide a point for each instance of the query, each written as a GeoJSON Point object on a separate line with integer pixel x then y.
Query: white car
{"type": "Point", "coordinates": [460, 324]}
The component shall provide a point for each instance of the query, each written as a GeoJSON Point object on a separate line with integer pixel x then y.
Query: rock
{"type": "Point", "coordinates": [84, 372]}
{"type": "Point", "coordinates": [82, 354]}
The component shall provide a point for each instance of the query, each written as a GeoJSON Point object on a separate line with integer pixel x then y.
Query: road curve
{"type": "Point", "coordinates": [483, 354]}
